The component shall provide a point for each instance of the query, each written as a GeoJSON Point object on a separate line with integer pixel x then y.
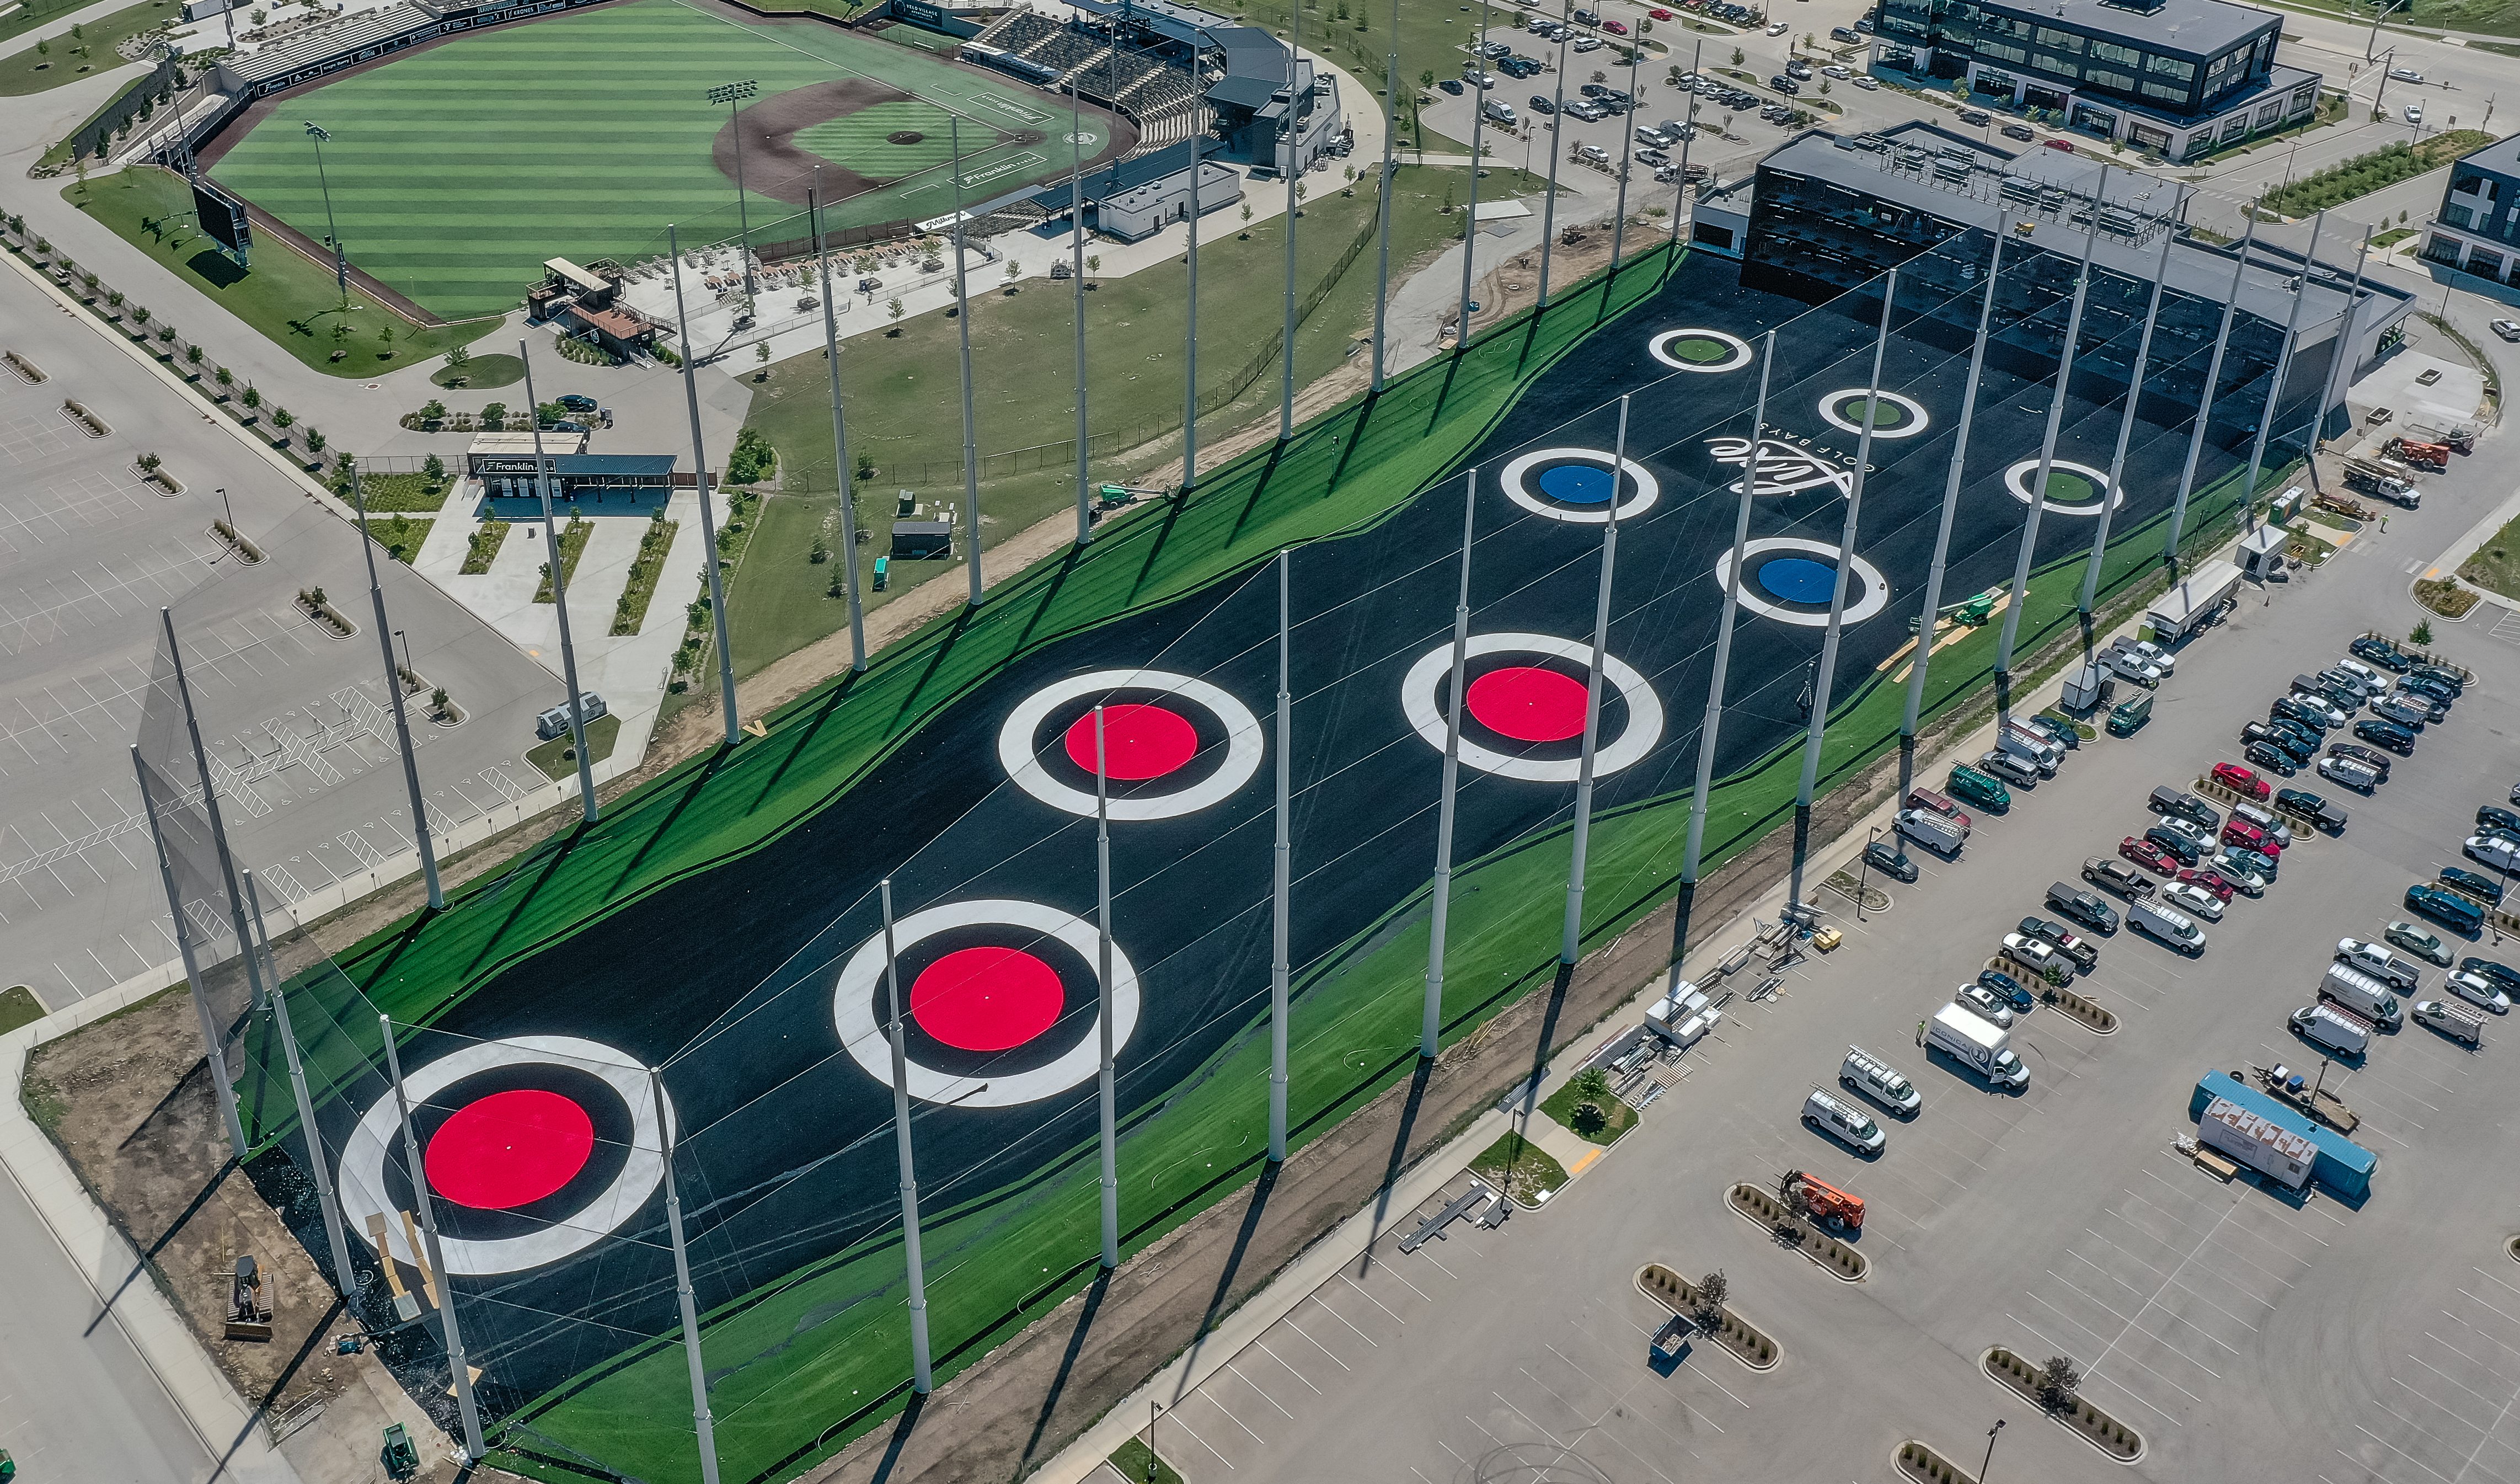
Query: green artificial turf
{"type": "Point", "coordinates": [288, 297]}
{"type": "Point", "coordinates": [457, 172]}
{"type": "Point", "coordinates": [819, 1355]}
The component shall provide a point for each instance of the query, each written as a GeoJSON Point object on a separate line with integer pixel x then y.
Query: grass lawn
{"type": "Point", "coordinates": [558, 761]}
{"type": "Point", "coordinates": [1521, 1169]}
{"type": "Point", "coordinates": [24, 70]}
{"type": "Point", "coordinates": [2491, 17]}
{"type": "Point", "coordinates": [483, 547]}
{"type": "Point", "coordinates": [572, 551]}
{"type": "Point", "coordinates": [385, 493]}
{"type": "Point", "coordinates": [1618, 1116]}
{"type": "Point", "coordinates": [2495, 566]}
{"type": "Point", "coordinates": [399, 535]}
{"type": "Point", "coordinates": [1023, 361]}
{"type": "Point", "coordinates": [285, 295]}
{"type": "Point", "coordinates": [442, 178]}
{"type": "Point", "coordinates": [1140, 1464]}
{"type": "Point", "coordinates": [18, 1006]}
{"type": "Point", "coordinates": [481, 373]}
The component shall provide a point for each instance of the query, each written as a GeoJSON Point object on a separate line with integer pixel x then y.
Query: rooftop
{"type": "Point", "coordinates": [2503, 157]}
{"type": "Point", "coordinates": [2202, 27]}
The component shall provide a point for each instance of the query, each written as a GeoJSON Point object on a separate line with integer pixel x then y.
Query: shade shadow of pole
{"type": "Point", "coordinates": [1095, 1294]}
{"type": "Point", "coordinates": [1419, 1076]}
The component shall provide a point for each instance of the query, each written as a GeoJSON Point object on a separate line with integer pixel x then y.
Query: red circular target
{"type": "Point", "coordinates": [986, 999]}
{"type": "Point", "coordinates": [510, 1148]}
{"type": "Point", "coordinates": [1528, 703]}
{"type": "Point", "coordinates": [1140, 740]}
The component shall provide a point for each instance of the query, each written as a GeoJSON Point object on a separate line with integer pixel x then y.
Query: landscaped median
{"type": "Point", "coordinates": [2054, 1388]}
{"type": "Point", "coordinates": [1704, 1303]}
{"type": "Point", "coordinates": [1799, 1233]}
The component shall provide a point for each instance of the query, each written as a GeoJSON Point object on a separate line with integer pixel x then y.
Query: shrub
{"type": "Point", "coordinates": [1712, 1291]}
{"type": "Point", "coordinates": [2422, 633]}
{"type": "Point", "coordinates": [1591, 1084]}
{"type": "Point", "coordinates": [2059, 1380]}
{"type": "Point", "coordinates": [752, 460]}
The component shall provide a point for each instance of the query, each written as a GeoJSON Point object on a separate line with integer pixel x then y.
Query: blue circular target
{"type": "Point", "coordinates": [1791, 580]}
{"type": "Point", "coordinates": [1579, 484]}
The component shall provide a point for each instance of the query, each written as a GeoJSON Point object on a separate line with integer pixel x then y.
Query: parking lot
{"type": "Point", "coordinates": [2243, 1331]}
{"type": "Point", "coordinates": [293, 716]}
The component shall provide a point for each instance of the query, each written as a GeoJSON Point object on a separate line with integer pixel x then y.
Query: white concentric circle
{"type": "Point", "coordinates": [1739, 349]}
{"type": "Point", "coordinates": [853, 1005]}
{"type": "Point", "coordinates": [1871, 596]}
{"type": "Point", "coordinates": [2018, 480]}
{"type": "Point", "coordinates": [1516, 479]}
{"type": "Point", "coordinates": [1919, 419]}
{"type": "Point", "coordinates": [363, 1157]}
{"type": "Point", "coordinates": [1420, 703]}
{"type": "Point", "coordinates": [1018, 742]}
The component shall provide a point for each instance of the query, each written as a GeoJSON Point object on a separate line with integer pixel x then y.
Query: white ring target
{"type": "Point", "coordinates": [2018, 480]}
{"type": "Point", "coordinates": [1420, 703]}
{"type": "Point", "coordinates": [1516, 478]}
{"type": "Point", "coordinates": [1872, 595]}
{"type": "Point", "coordinates": [363, 1157]}
{"type": "Point", "coordinates": [1919, 419]}
{"type": "Point", "coordinates": [870, 1046]}
{"type": "Point", "coordinates": [1018, 740]}
{"type": "Point", "coordinates": [1737, 351]}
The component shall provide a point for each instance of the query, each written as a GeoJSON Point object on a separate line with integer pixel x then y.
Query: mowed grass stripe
{"type": "Point", "coordinates": [456, 173]}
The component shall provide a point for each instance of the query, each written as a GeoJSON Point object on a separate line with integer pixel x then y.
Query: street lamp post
{"type": "Point", "coordinates": [732, 94]}
{"type": "Point", "coordinates": [1990, 1450]}
{"type": "Point", "coordinates": [340, 261]}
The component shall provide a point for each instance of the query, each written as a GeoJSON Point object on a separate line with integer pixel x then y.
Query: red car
{"type": "Point", "coordinates": [2149, 856]}
{"type": "Point", "coordinates": [2206, 880]}
{"type": "Point", "coordinates": [1615, 27]}
{"type": "Point", "coordinates": [2249, 837]}
{"type": "Point", "coordinates": [2247, 784]}
{"type": "Point", "coordinates": [1659, 15]}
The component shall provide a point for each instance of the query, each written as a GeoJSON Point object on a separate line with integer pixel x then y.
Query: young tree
{"type": "Point", "coordinates": [386, 338]}
{"type": "Point", "coordinates": [315, 441]}
{"type": "Point", "coordinates": [252, 397]}
{"type": "Point", "coordinates": [1246, 218]}
{"type": "Point", "coordinates": [1093, 264]}
{"type": "Point", "coordinates": [1712, 1291]}
{"type": "Point", "coordinates": [283, 419]}
{"type": "Point", "coordinates": [193, 356]}
{"type": "Point", "coordinates": [433, 469]}
{"type": "Point", "coordinates": [225, 377]}
{"type": "Point", "coordinates": [761, 353]}
{"type": "Point", "coordinates": [1736, 56]}
{"type": "Point", "coordinates": [2059, 1380]}
{"type": "Point", "coordinates": [458, 358]}
{"type": "Point", "coordinates": [894, 311]}
{"type": "Point", "coordinates": [113, 299]}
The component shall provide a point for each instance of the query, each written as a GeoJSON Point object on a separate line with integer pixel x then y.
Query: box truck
{"type": "Point", "coordinates": [1984, 1048]}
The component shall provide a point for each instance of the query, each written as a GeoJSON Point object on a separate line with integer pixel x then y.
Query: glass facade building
{"type": "Point", "coordinates": [2478, 227]}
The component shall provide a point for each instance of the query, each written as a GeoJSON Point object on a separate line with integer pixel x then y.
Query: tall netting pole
{"type": "Point", "coordinates": [1571, 935]}
{"type": "Point", "coordinates": [1190, 334]}
{"type": "Point", "coordinates": [2205, 404]}
{"type": "Point", "coordinates": [700, 481]}
{"type": "Point", "coordinates": [1627, 154]}
{"type": "Point", "coordinates": [1281, 856]}
{"type": "Point", "coordinates": [1111, 1087]}
{"type": "Point", "coordinates": [1383, 260]}
{"type": "Point", "coordinates": [2284, 368]}
{"type": "Point", "coordinates": [2342, 360]}
{"type": "Point", "coordinates": [1556, 151]}
{"type": "Point", "coordinates": [213, 1045]}
{"type": "Point", "coordinates": [1711, 726]}
{"type": "Point", "coordinates": [1431, 1023]}
{"type": "Point", "coordinates": [393, 692]}
{"type": "Point", "coordinates": [1687, 136]}
{"type": "Point", "coordinates": [317, 1165]}
{"type": "Point", "coordinates": [920, 1377]}
{"type": "Point", "coordinates": [1925, 620]}
{"type": "Point", "coordinates": [1076, 271]}
{"type": "Point", "coordinates": [839, 442]}
{"type": "Point", "coordinates": [2047, 460]}
{"type": "Point", "coordinates": [1820, 683]}
{"type": "Point", "coordinates": [211, 807]}
{"type": "Point", "coordinates": [1470, 213]}
{"type": "Point", "coordinates": [703, 1424]}
{"type": "Point", "coordinates": [466, 1410]}
{"type": "Point", "coordinates": [559, 601]}
{"type": "Point", "coordinates": [963, 327]}
{"type": "Point", "coordinates": [2126, 422]}
{"type": "Point", "coordinates": [1296, 92]}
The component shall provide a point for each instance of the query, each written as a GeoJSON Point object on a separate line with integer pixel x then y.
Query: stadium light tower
{"type": "Point", "coordinates": [731, 93]}
{"type": "Point", "coordinates": [341, 262]}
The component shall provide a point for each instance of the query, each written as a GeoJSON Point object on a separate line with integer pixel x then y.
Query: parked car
{"type": "Point", "coordinates": [2426, 684]}
{"type": "Point", "coordinates": [2440, 675]}
{"type": "Point", "coordinates": [1976, 117]}
{"type": "Point", "coordinates": [2311, 809]}
{"type": "Point", "coordinates": [2377, 761]}
{"type": "Point", "coordinates": [2007, 988]}
{"type": "Point", "coordinates": [2246, 882]}
{"type": "Point", "coordinates": [1451, 85]}
{"type": "Point", "coordinates": [2117, 876]}
{"type": "Point", "coordinates": [2496, 817]}
{"type": "Point", "coordinates": [2501, 976]}
{"type": "Point", "coordinates": [2128, 665]}
{"type": "Point", "coordinates": [2469, 883]}
{"type": "Point", "coordinates": [2422, 942]}
{"type": "Point", "coordinates": [2477, 990]}
{"type": "Point", "coordinates": [575, 403]}
{"type": "Point", "coordinates": [2308, 711]}
{"type": "Point", "coordinates": [2387, 734]}
{"type": "Point", "coordinates": [2270, 757]}
{"type": "Point", "coordinates": [2249, 837]}
{"type": "Point", "coordinates": [1984, 1001]}
{"type": "Point", "coordinates": [2149, 855]}
{"type": "Point", "coordinates": [2062, 733]}
{"type": "Point", "coordinates": [2509, 330]}
{"type": "Point", "coordinates": [1887, 858]}
{"type": "Point", "coordinates": [2251, 861]}
{"type": "Point", "coordinates": [2241, 781]}
{"type": "Point", "coordinates": [2207, 882]}
{"type": "Point", "coordinates": [2177, 803]}
{"type": "Point", "coordinates": [2448, 908]}
{"type": "Point", "coordinates": [2010, 768]}
{"type": "Point", "coordinates": [2381, 652]}
{"type": "Point", "coordinates": [2021, 131]}
{"type": "Point", "coordinates": [2500, 851]}
{"type": "Point", "coordinates": [2193, 900]}
{"type": "Point", "coordinates": [2402, 712]}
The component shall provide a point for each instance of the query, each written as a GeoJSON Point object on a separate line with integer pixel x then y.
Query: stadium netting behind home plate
{"type": "Point", "coordinates": [722, 923]}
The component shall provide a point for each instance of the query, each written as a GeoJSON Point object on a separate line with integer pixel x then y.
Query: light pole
{"type": "Point", "coordinates": [2379, 13]}
{"type": "Point", "coordinates": [341, 263]}
{"type": "Point", "coordinates": [1990, 1450]}
{"type": "Point", "coordinates": [731, 93]}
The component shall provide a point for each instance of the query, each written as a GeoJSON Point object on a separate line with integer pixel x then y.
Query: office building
{"type": "Point", "coordinates": [2478, 227]}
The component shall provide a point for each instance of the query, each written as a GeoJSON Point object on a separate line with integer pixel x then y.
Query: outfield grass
{"type": "Point", "coordinates": [456, 173]}
{"type": "Point", "coordinates": [24, 70]}
{"type": "Point", "coordinates": [1023, 359]}
{"type": "Point", "coordinates": [290, 298]}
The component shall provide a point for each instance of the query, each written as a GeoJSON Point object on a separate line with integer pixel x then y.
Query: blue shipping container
{"type": "Point", "coordinates": [2341, 1165]}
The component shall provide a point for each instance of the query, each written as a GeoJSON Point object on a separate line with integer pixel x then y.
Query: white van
{"type": "Point", "coordinates": [1498, 112]}
{"type": "Point", "coordinates": [2176, 929]}
{"type": "Point", "coordinates": [2451, 1019]}
{"type": "Point", "coordinates": [1843, 1121]}
{"type": "Point", "coordinates": [2359, 776]}
{"type": "Point", "coordinates": [2340, 1031]}
{"type": "Point", "coordinates": [2040, 752]}
{"type": "Point", "coordinates": [1943, 835]}
{"type": "Point", "coordinates": [2364, 994]}
{"type": "Point", "coordinates": [1866, 1073]}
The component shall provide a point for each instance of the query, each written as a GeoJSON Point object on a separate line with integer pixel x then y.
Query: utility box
{"type": "Point", "coordinates": [923, 540]}
{"type": "Point", "coordinates": [2085, 688]}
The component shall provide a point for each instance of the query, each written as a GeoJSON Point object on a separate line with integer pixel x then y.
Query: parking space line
{"type": "Point", "coordinates": [2121, 1387]}
{"type": "Point", "coordinates": [2432, 1402]}
{"type": "Point", "coordinates": [1230, 1417]}
{"type": "Point", "coordinates": [1439, 1266]}
{"type": "Point", "coordinates": [1255, 1386]}
{"type": "Point", "coordinates": [1527, 1417]}
{"type": "Point", "coordinates": [1316, 1298]}
{"type": "Point", "coordinates": [1201, 1441]}
{"type": "Point", "coordinates": [1389, 1271]}
{"type": "Point", "coordinates": [2454, 1318]}
{"type": "Point", "coordinates": [1378, 1303]}
{"type": "Point", "coordinates": [2402, 1453]}
{"type": "Point", "coordinates": [1289, 1323]}
{"type": "Point", "coordinates": [2159, 1339]}
{"type": "Point", "coordinates": [1263, 1343]}
{"type": "Point", "coordinates": [2183, 1287]}
{"type": "Point", "coordinates": [2489, 1308]}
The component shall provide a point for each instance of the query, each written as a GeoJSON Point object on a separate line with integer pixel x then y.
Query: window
{"type": "Point", "coordinates": [2002, 52]}
{"type": "Point", "coordinates": [2484, 264]}
{"type": "Point", "coordinates": [2303, 98]}
{"type": "Point", "coordinates": [2165, 92]}
{"type": "Point", "coordinates": [2110, 50]}
{"type": "Point", "coordinates": [2062, 41]}
{"type": "Point", "coordinates": [2441, 249]}
{"type": "Point", "coordinates": [2171, 66]}
{"type": "Point", "coordinates": [2146, 137]}
{"type": "Point", "coordinates": [2103, 77]}
{"type": "Point", "coordinates": [2460, 217]}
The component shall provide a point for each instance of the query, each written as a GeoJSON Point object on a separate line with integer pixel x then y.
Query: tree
{"type": "Point", "coordinates": [761, 353]}
{"type": "Point", "coordinates": [386, 338]}
{"type": "Point", "coordinates": [114, 299]}
{"type": "Point", "coordinates": [1093, 264]}
{"type": "Point", "coordinates": [1426, 78]}
{"type": "Point", "coordinates": [1795, 1197]}
{"type": "Point", "coordinates": [283, 419]}
{"type": "Point", "coordinates": [315, 441]}
{"type": "Point", "coordinates": [1824, 87]}
{"type": "Point", "coordinates": [225, 377]}
{"type": "Point", "coordinates": [494, 418]}
{"type": "Point", "coordinates": [340, 338]}
{"type": "Point", "coordinates": [1708, 1310]}
{"type": "Point", "coordinates": [44, 49]}
{"type": "Point", "coordinates": [433, 469]}
{"type": "Point", "coordinates": [1013, 270]}
{"type": "Point", "coordinates": [139, 312]}
{"type": "Point", "coordinates": [893, 311]}
{"type": "Point", "coordinates": [2422, 633]}
{"type": "Point", "coordinates": [253, 395]}
{"type": "Point", "coordinates": [2059, 1380]}
{"type": "Point", "coordinates": [458, 358]}
{"type": "Point", "coordinates": [193, 356]}
{"type": "Point", "coordinates": [1736, 56]}
{"type": "Point", "coordinates": [1247, 217]}
{"type": "Point", "coordinates": [166, 334]}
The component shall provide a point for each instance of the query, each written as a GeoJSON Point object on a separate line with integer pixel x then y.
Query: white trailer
{"type": "Point", "coordinates": [2279, 1153]}
{"type": "Point", "coordinates": [2184, 609]}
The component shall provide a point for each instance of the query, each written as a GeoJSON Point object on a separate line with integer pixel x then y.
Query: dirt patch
{"type": "Point", "coordinates": [774, 165]}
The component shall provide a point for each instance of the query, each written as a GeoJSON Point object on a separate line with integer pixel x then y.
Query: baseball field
{"type": "Point", "coordinates": [456, 170]}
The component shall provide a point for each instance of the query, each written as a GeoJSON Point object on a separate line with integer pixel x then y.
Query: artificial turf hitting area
{"type": "Point", "coordinates": [457, 169]}
{"type": "Point", "coordinates": [724, 923]}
